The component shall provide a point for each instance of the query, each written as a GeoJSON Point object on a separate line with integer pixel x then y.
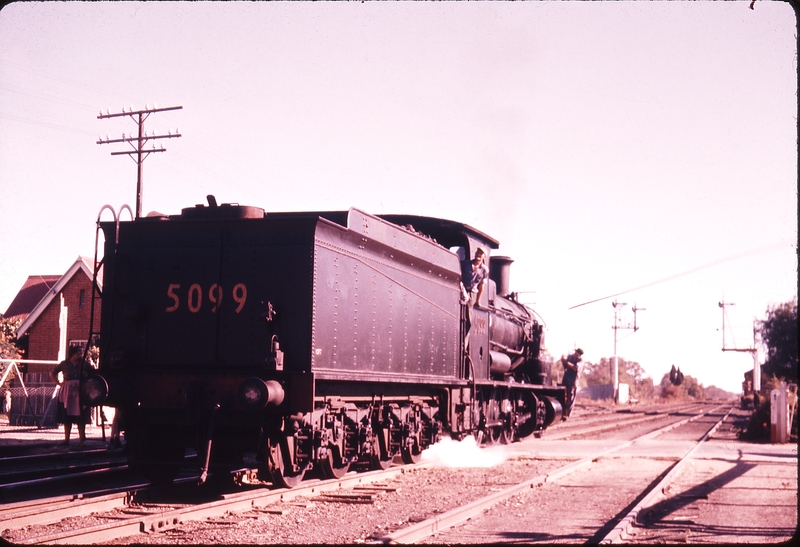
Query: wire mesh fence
{"type": "Point", "coordinates": [31, 403]}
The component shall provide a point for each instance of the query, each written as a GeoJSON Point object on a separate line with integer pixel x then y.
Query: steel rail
{"type": "Point", "coordinates": [5, 460]}
{"type": "Point", "coordinates": [458, 515]}
{"type": "Point", "coordinates": [52, 510]}
{"type": "Point", "coordinates": [608, 425]}
{"type": "Point", "coordinates": [15, 515]}
{"type": "Point", "coordinates": [47, 513]}
{"type": "Point", "coordinates": [623, 528]}
{"type": "Point", "coordinates": [243, 501]}
{"type": "Point", "coordinates": [64, 474]}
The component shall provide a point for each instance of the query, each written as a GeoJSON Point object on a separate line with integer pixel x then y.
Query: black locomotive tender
{"type": "Point", "coordinates": [277, 344]}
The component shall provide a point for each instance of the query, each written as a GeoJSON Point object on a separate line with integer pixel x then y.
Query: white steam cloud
{"type": "Point", "coordinates": [466, 453]}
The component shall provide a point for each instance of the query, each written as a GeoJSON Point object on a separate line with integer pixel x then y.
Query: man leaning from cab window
{"type": "Point", "coordinates": [473, 275]}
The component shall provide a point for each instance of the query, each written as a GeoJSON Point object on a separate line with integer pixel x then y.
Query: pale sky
{"type": "Point", "coordinates": [607, 146]}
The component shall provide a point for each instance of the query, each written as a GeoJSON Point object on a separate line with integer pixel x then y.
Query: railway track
{"type": "Point", "coordinates": [16, 468]}
{"type": "Point", "coordinates": [161, 518]}
{"type": "Point", "coordinates": [589, 425]}
{"type": "Point", "coordinates": [152, 513]}
{"type": "Point", "coordinates": [691, 482]}
{"type": "Point", "coordinates": [439, 523]}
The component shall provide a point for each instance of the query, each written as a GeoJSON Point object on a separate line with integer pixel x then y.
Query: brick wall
{"type": "Point", "coordinates": [43, 335]}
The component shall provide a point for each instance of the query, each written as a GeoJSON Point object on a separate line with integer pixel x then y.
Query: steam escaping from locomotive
{"type": "Point", "coordinates": [465, 453]}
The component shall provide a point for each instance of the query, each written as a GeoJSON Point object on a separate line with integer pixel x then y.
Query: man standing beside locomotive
{"type": "Point", "coordinates": [69, 409]}
{"type": "Point", "coordinates": [474, 275]}
{"type": "Point", "coordinates": [570, 379]}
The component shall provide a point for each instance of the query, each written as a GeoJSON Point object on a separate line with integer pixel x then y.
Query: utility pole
{"type": "Point", "coordinates": [753, 350]}
{"type": "Point", "coordinates": [617, 307]}
{"type": "Point", "coordinates": [137, 142]}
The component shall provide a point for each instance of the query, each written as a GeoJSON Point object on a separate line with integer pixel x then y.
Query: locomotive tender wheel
{"type": "Point", "coordinates": [413, 437]}
{"type": "Point", "coordinates": [380, 460]}
{"type": "Point", "coordinates": [411, 451]}
{"type": "Point", "coordinates": [280, 468]}
{"type": "Point", "coordinates": [332, 465]}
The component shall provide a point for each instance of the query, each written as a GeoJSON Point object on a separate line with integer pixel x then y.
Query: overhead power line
{"type": "Point", "coordinates": [44, 124]}
{"type": "Point", "coordinates": [687, 272]}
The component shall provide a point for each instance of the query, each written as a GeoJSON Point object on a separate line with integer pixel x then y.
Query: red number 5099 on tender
{"type": "Point", "coordinates": [194, 297]}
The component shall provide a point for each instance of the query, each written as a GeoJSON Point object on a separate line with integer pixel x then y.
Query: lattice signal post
{"type": "Point", "coordinates": [753, 350]}
{"type": "Point", "coordinates": [138, 142]}
{"type": "Point", "coordinates": [617, 308]}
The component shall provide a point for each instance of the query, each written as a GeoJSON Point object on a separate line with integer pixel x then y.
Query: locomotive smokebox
{"type": "Point", "coordinates": [500, 273]}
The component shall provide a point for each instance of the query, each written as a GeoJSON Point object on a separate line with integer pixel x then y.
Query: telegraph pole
{"type": "Point", "coordinates": [139, 153]}
{"type": "Point", "coordinates": [617, 307]}
{"type": "Point", "coordinates": [753, 350]}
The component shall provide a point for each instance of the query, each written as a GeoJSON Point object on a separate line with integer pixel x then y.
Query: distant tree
{"type": "Point", "coordinates": [629, 372]}
{"type": "Point", "coordinates": [8, 346]}
{"type": "Point", "coordinates": [8, 338]}
{"type": "Point", "coordinates": [713, 392]}
{"type": "Point", "coordinates": [675, 376]}
{"type": "Point", "coordinates": [596, 374]}
{"type": "Point", "coordinates": [668, 390]}
{"type": "Point", "coordinates": [644, 389]}
{"type": "Point", "coordinates": [779, 333]}
{"type": "Point", "coordinates": [694, 389]}
{"type": "Point", "coordinates": [689, 388]}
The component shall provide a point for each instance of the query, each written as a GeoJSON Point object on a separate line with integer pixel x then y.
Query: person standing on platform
{"type": "Point", "coordinates": [69, 410]}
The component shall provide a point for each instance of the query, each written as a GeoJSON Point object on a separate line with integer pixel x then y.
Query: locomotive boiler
{"type": "Point", "coordinates": [287, 344]}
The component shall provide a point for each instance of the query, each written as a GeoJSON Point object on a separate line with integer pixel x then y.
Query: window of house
{"type": "Point", "coordinates": [83, 297]}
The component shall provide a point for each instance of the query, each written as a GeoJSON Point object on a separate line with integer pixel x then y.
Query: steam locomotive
{"type": "Point", "coordinates": [280, 345]}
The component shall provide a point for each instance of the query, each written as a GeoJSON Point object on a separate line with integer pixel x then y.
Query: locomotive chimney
{"type": "Point", "coordinates": [500, 272]}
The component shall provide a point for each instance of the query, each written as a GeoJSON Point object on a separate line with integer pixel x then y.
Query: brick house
{"type": "Point", "coordinates": [71, 296]}
{"type": "Point", "coordinates": [59, 319]}
{"type": "Point", "coordinates": [32, 291]}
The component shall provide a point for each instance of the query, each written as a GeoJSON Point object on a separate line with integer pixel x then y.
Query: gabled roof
{"type": "Point", "coordinates": [82, 264]}
{"type": "Point", "coordinates": [35, 287]}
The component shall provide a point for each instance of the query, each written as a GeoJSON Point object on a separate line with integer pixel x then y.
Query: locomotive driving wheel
{"type": "Point", "coordinates": [495, 433]}
{"type": "Point", "coordinates": [524, 404]}
{"type": "Point", "coordinates": [505, 410]}
{"type": "Point", "coordinates": [280, 465]}
{"type": "Point", "coordinates": [498, 430]}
